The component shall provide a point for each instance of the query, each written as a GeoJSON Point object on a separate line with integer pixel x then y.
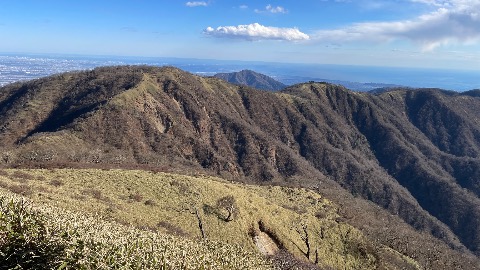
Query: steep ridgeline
{"type": "Point", "coordinates": [252, 79]}
{"type": "Point", "coordinates": [414, 153]}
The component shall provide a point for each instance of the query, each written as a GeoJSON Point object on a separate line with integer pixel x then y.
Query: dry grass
{"type": "Point", "coordinates": [45, 237]}
{"type": "Point", "coordinates": [118, 195]}
{"type": "Point", "coordinates": [56, 182]}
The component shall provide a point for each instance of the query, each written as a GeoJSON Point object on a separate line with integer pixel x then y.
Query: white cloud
{"type": "Point", "coordinates": [257, 31]}
{"type": "Point", "coordinates": [243, 6]}
{"type": "Point", "coordinates": [277, 9]}
{"type": "Point", "coordinates": [455, 21]}
{"type": "Point", "coordinates": [272, 9]}
{"type": "Point", "coordinates": [196, 4]}
{"type": "Point", "coordinates": [437, 3]}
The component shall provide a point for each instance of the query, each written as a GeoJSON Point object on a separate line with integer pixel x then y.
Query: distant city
{"type": "Point", "coordinates": [22, 67]}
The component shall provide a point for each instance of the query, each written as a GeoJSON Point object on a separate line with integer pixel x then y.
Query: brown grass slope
{"type": "Point", "coordinates": [175, 204]}
{"type": "Point", "coordinates": [414, 153]}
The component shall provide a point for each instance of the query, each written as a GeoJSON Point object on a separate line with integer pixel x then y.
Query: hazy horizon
{"type": "Point", "coordinates": [15, 67]}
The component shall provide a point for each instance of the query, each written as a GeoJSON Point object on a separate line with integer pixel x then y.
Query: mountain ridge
{"type": "Point", "coordinates": [314, 135]}
{"type": "Point", "coordinates": [251, 78]}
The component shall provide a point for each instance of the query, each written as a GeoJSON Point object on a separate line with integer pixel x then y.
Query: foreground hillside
{"type": "Point", "coordinates": [42, 235]}
{"type": "Point", "coordinates": [268, 220]}
{"type": "Point", "coordinates": [403, 165]}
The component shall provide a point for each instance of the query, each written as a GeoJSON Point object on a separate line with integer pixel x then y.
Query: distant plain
{"type": "Point", "coordinates": [19, 67]}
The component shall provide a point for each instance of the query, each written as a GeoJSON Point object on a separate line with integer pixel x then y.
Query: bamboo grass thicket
{"type": "Point", "coordinates": [46, 237]}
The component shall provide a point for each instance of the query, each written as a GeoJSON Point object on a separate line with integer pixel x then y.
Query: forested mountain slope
{"type": "Point", "coordinates": [252, 79]}
{"type": "Point", "coordinates": [415, 153]}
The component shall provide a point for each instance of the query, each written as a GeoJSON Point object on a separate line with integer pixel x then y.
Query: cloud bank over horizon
{"type": "Point", "coordinates": [448, 22]}
{"type": "Point", "coordinates": [256, 31]}
{"type": "Point", "coordinates": [452, 22]}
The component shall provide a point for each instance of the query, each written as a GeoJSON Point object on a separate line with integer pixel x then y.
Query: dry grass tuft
{"type": "Point", "coordinates": [56, 182]}
{"type": "Point", "coordinates": [21, 176]}
{"type": "Point", "coordinates": [137, 197]}
{"type": "Point", "coordinates": [150, 202]}
{"type": "Point", "coordinates": [4, 173]}
{"type": "Point", "coordinates": [22, 189]}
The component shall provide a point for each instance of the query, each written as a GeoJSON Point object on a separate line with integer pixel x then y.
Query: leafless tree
{"type": "Point", "coordinates": [303, 232]}
{"type": "Point", "coordinates": [229, 204]}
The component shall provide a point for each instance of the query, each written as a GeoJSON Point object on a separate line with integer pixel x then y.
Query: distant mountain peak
{"type": "Point", "coordinates": [251, 78]}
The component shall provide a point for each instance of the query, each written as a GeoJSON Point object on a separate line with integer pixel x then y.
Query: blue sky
{"type": "Point", "coordinates": [408, 33]}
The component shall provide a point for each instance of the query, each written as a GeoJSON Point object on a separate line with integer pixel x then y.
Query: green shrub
{"type": "Point", "coordinates": [51, 238]}
{"type": "Point", "coordinates": [25, 240]}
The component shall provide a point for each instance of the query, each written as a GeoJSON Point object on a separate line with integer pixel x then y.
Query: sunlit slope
{"type": "Point", "coordinates": [413, 152]}
{"type": "Point", "coordinates": [175, 204]}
